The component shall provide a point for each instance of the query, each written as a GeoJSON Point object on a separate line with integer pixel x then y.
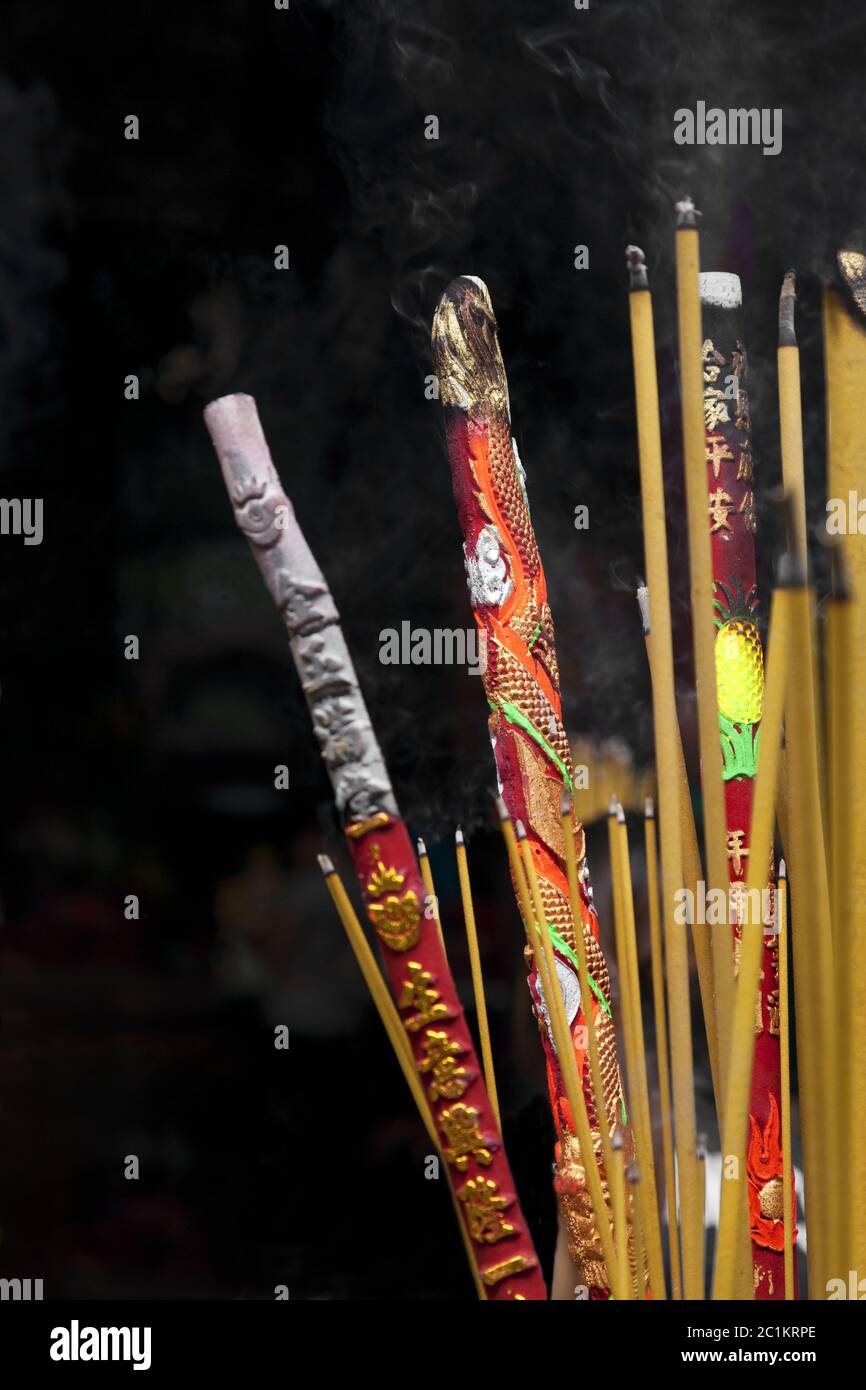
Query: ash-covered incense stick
{"type": "Point", "coordinates": [508, 593]}
{"type": "Point", "coordinates": [504, 1262]}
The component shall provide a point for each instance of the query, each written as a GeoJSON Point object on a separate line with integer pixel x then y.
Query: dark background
{"type": "Point", "coordinates": [261, 127]}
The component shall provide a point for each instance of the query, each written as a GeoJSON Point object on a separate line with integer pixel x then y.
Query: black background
{"type": "Point", "coordinates": [156, 257]}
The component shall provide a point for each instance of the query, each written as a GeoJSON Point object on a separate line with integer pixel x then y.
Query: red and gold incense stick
{"type": "Point", "coordinates": [740, 691]}
{"type": "Point", "coordinates": [508, 593]}
{"type": "Point", "coordinates": [504, 1261]}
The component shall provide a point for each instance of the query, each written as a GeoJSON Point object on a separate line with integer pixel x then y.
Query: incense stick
{"type": "Point", "coordinates": [752, 941]}
{"type": "Point", "coordinates": [788, 1193]}
{"type": "Point", "coordinates": [661, 1035]}
{"type": "Point", "coordinates": [430, 888]}
{"type": "Point", "coordinates": [477, 975]}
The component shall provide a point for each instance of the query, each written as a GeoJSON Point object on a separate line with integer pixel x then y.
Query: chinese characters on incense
{"type": "Point", "coordinates": [495, 1232]}
{"type": "Point", "coordinates": [740, 688]}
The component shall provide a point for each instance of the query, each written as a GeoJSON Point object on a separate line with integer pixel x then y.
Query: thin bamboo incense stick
{"type": "Point", "coordinates": [661, 1035]}
{"type": "Point", "coordinates": [845, 375]}
{"type": "Point", "coordinates": [543, 950]}
{"type": "Point", "coordinates": [477, 975]}
{"type": "Point", "coordinates": [592, 1038]}
{"type": "Point", "coordinates": [785, 1045]}
{"type": "Point", "coordinates": [702, 596]}
{"type": "Point", "coordinates": [391, 1020]}
{"type": "Point", "coordinates": [690, 861]}
{"type": "Point", "coordinates": [619, 1198]}
{"type": "Point", "coordinates": [791, 416]}
{"type": "Point", "coordinates": [752, 942]}
{"type": "Point", "coordinates": [813, 962]}
{"type": "Point", "coordinates": [638, 1087]}
{"type": "Point", "coordinates": [641, 1265]}
{"type": "Point", "coordinates": [430, 887]}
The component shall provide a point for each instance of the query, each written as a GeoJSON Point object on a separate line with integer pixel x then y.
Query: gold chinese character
{"type": "Point", "coordinates": [715, 409]}
{"type": "Point", "coordinates": [494, 1274]}
{"type": "Point", "coordinates": [717, 452]}
{"type": "Point", "coordinates": [460, 1127]}
{"type": "Point", "coordinates": [745, 467]}
{"type": "Point", "coordinates": [721, 506]}
{"type": "Point", "coordinates": [417, 994]}
{"type": "Point", "coordinates": [749, 510]}
{"type": "Point", "coordinates": [775, 1026]}
{"type": "Point", "coordinates": [484, 1208]}
{"type": "Point", "coordinates": [736, 850]}
{"type": "Point", "coordinates": [447, 1078]}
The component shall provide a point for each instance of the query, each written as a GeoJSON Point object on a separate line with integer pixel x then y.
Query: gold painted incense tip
{"type": "Point", "coordinates": [466, 355]}
{"type": "Point", "coordinates": [787, 310]}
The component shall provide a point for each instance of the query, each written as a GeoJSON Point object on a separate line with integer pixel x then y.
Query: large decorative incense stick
{"type": "Point", "coordinates": [508, 593]}
{"type": "Point", "coordinates": [740, 692]}
{"type": "Point", "coordinates": [503, 1257]}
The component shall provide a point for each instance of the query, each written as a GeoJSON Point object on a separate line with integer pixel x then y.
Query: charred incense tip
{"type": "Point", "coordinates": [787, 310]}
{"type": "Point", "coordinates": [612, 804]}
{"type": "Point", "coordinates": [458, 836]}
{"type": "Point", "coordinates": [565, 803]}
{"type": "Point", "coordinates": [466, 355]}
{"type": "Point", "coordinates": [852, 269]}
{"type": "Point", "coordinates": [643, 604]}
{"type": "Point", "coordinates": [422, 848]}
{"type": "Point", "coordinates": [502, 809]}
{"type": "Point", "coordinates": [325, 865]}
{"type": "Point", "coordinates": [687, 213]}
{"type": "Point", "coordinates": [636, 262]}
{"type": "Point", "coordinates": [649, 809]}
{"type": "Point", "coordinates": [520, 830]}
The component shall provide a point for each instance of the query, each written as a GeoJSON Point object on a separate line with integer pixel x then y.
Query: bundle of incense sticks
{"type": "Point", "coordinates": [425, 1020]}
{"type": "Point", "coordinates": [783, 764]}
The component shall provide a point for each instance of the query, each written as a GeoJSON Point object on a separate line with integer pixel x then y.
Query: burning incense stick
{"type": "Point", "coordinates": [700, 569]}
{"type": "Point", "coordinates": [735, 1169]}
{"type": "Point", "coordinates": [661, 1036]}
{"type": "Point", "coordinates": [740, 686]}
{"type": "Point", "coordinates": [393, 891]}
{"type": "Point", "coordinates": [477, 975]}
{"type": "Point", "coordinates": [785, 1048]}
{"type": "Point", "coordinates": [509, 599]}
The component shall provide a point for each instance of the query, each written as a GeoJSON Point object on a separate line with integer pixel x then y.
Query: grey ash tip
{"type": "Point", "coordinates": [687, 213]}
{"type": "Point", "coordinates": [787, 310]}
{"type": "Point", "coordinates": [636, 262]}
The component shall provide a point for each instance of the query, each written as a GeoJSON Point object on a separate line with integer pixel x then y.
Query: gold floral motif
{"type": "Point", "coordinates": [397, 918]}
{"type": "Point", "coordinates": [484, 1207]}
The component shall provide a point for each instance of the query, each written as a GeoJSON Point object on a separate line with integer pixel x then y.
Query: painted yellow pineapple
{"type": "Point", "coordinates": [739, 678]}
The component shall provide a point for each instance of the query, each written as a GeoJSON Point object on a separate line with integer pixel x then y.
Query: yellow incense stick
{"type": "Point", "coordinates": [585, 987]}
{"type": "Point", "coordinates": [791, 419]}
{"type": "Point", "coordinates": [845, 376]}
{"type": "Point", "coordinates": [619, 1201]}
{"type": "Point", "coordinates": [544, 958]}
{"type": "Point", "coordinates": [429, 888]}
{"type": "Point", "coordinates": [477, 976]}
{"type": "Point", "coordinates": [813, 963]}
{"type": "Point", "coordinates": [641, 1266]}
{"type": "Point", "coordinates": [739, 1073]}
{"type": "Point", "coordinates": [636, 1056]}
{"type": "Point", "coordinates": [702, 596]}
{"type": "Point", "coordinates": [785, 1078]}
{"type": "Point", "coordinates": [661, 1034]}
{"type": "Point", "coordinates": [393, 1027]}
